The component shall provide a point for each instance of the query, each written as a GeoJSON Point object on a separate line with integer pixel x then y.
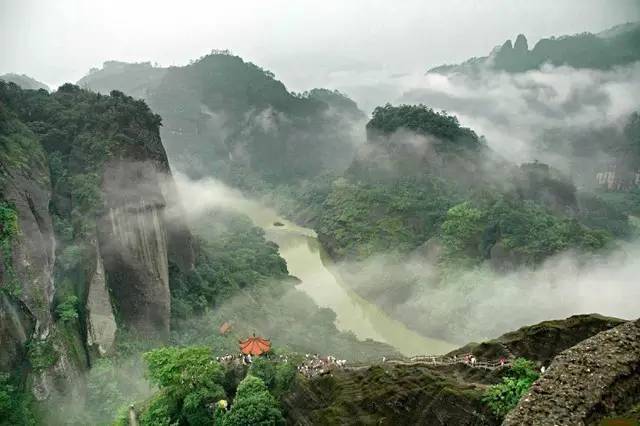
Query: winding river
{"type": "Point", "coordinates": [305, 260]}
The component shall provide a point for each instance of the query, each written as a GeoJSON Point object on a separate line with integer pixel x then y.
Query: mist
{"type": "Point", "coordinates": [356, 47]}
{"type": "Point", "coordinates": [477, 304]}
{"type": "Point", "coordinates": [513, 111]}
{"type": "Point", "coordinates": [473, 304]}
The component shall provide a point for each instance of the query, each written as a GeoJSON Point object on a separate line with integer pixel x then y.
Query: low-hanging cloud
{"type": "Point", "coordinates": [515, 110]}
{"type": "Point", "coordinates": [478, 303]}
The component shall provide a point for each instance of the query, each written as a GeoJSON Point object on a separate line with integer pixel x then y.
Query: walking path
{"type": "Point", "coordinates": [315, 366]}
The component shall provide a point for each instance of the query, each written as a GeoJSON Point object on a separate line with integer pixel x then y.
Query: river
{"type": "Point", "coordinates": [306, 260]}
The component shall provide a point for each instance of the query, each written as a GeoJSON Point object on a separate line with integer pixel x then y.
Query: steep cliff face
{"type": "Point", "coordinates": [16, 327]}
{"type": "Point", "coordinates": [27, 256]}
{"type": "Point", "coordinates": [133, 242]}
{"type": "Point", "coordinates": [598, 378]}
{"type": "Point", "coordinates": [84, 237]}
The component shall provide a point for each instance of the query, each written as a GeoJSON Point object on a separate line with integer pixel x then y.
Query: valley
{"type": "Point", "coordinates": [194, 242]}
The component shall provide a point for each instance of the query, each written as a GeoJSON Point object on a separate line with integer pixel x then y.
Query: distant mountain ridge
{"type": "Point", "coordinates": [24, 81]}
{"type": "Point", "coordinates": [226, 117]}
{"type": "Point", "coordinates": [618, 45]}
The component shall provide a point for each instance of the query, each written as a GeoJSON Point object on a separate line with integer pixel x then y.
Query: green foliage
{"type": "Point", "coordinates": [160, 411]}
{"type": "Point", "coordinates": [103, 393]}
{"type": "Point", "coordinates": [8, 231]}
{"type": "Point", "coordinates": [232, 255]}
{"type": "Point", "coordinates": [15, 406]}
{"type": "Point", "coordinates": [67, 311]}
{"type": "Point", "coordinates": [278, 376]}
{"type": "Point", "coordinates": [462, 229]}
{"type": "Point", "coordinates": [503, 397]}
{"type": "Point", "coordinates": [41, 354]}
{"type": "Point", "coordinates": [253, 405]}
{"type": "Point", "coordinates": [190, 381]}
{"type": "Point", "coordinates": [358, 220]}
{"type": "Point", "coordinates": [525, 228]}
{"type": "Point", "coordinates": [114, 383]}
{"type": "Point", "coordinates": [424, 120]}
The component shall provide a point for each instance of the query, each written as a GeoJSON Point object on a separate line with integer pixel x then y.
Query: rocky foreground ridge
{"type": "Point", "coordinates": [595, 379]}
{"type": "Point", "coordinates": [397, 394]}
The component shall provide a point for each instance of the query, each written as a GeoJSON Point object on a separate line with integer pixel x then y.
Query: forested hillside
{"type": "Point", "coordinates": [232, 119]}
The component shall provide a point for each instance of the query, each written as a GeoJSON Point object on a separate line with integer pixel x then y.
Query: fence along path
{"type": "Point", "coordinates": [317, 366]}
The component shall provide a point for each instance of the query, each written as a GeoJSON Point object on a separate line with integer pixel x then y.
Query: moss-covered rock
{"type": "Point", "coordinates": [386, 395]}
{"type": "Point", "coordinates": [541, 342]}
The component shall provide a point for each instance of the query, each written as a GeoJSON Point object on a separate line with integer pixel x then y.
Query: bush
{"type": "Point", "coordinates": [41, 354]}
{"type": "Point", "coordinates": [504, 396]}
{"type": "Point", "coordinates": [277, 376]}
{"type": "Point", "coordinates": [68, 310]}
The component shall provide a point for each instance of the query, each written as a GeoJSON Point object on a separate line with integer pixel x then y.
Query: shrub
{"type": "Point", "coordinates": [504, 396]}
{"type": "Point", "coordinates": [68, 310]}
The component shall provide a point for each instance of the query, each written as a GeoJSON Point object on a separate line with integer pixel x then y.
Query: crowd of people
{"type": "Point", "coordinates": [235, 359]}
{"type": "Point", "coordinates": [314, 365]}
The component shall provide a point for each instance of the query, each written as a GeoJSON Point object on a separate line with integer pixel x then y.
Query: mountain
{"type": "Point", "coordinates": [616, 46]}
{"type": "Point", "coordinates": [420, 169]}
{"type": "Point", "coordinates": [24, 81]}
{"type": "Point", "coordinates": [229, 118]}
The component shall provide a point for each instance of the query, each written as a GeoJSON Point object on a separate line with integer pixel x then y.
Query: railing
{"type": "Point", "coordinates": [315, 369]}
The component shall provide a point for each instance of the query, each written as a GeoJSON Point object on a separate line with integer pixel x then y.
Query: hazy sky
{"type": "Point", "coordinates": [305, 43]}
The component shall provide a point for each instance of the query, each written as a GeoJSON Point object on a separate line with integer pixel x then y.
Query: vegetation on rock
{"type": "Point", "coordinates": [504, 396]}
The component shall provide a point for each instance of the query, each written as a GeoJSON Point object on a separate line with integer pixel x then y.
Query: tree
{"type": "Point", "coordinates": [253, 405]}
{"type": "Point", "coordinates": [190, 381]}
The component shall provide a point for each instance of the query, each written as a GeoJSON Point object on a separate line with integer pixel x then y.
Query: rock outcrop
{"type": "Point", "coordinates": [542, 342]}
{"type": "Point", "coordinates": [16, 327]}
{"type": "Point", "coordinates": [597, 378]}
{"type": "Point", "coordinates": [101, 322]}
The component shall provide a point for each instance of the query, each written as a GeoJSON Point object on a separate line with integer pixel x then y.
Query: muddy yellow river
{"type": "Point", "coordinates": [305, 260]}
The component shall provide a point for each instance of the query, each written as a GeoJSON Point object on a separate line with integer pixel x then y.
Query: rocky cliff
{"type": "Point", "coordinates": [86, 244]}
{"type": "Point", "coordinates": [595, 379]}
{"type": "Point", "coordinates": [541, 342]}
